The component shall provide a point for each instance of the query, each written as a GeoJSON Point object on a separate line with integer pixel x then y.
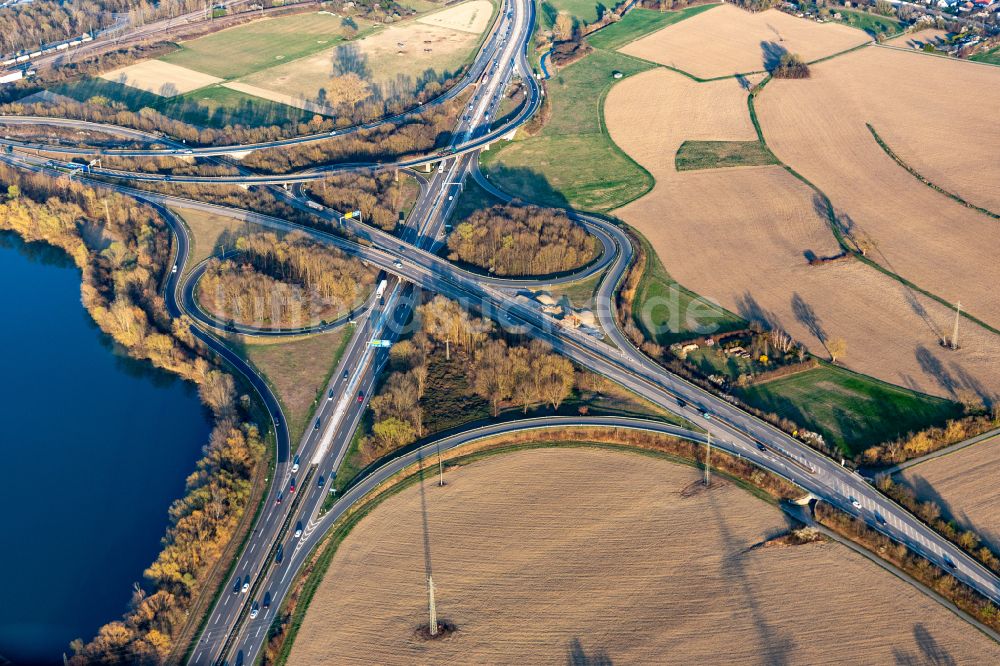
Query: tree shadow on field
{"type": "Point", "coordinates": [348, 59]}
{"type": "Point", "coordinates": [576, 655]}
{"type": "Point", "coordinates": [771, 53]}
{"type": "Point", "coordinates": [526, 185]}
{"type": "Point", "coordinates": [936, 370]}
{"type": "Point", "coordinates": [806, 315]}
{"type": "Point", "coordinates": [751, 310]}
{"type": "Point", "coordinates": [777, 643]}
{"type": "Point", "coordinates": [930, 653]}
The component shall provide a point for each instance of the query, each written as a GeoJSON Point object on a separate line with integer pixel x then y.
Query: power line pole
{"type": "Point", "coordinates": [440, 468]}
{"type": "Point", "coordinates": [708, 459]}
{"type": "Point", "coordinates": [432, 607]}
{"type": "Point", "coordinates": [954, 332]}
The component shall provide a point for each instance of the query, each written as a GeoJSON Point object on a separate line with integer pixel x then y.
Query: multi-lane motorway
{"type": "Point", "coordinates": [237, 625]}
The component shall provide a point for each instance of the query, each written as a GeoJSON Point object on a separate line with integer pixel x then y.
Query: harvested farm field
{"type": "Point", "coordinates": [727, 40]}
{"type": "Point", "coordinates": [537, 558]}
{"type": "Point", "coordinates": [744, 237]}
{"type": "Point", "coordinates": [964, 484]}
{"type": "Point", "coordinates": [471, 17]}
{"type": "Point", "coordinates": [938, 116]}
{"type": "Point", "coordinates": [397, 58]}
{"type": "Point", "coordinates": [160, 78]}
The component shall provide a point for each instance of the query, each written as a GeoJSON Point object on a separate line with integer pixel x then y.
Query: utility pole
{"type": "Point", "coordinates": [432, 607]}
{"type": "Point", "coordinates": [708, 460]}
{"type": "Point", "coordinates": [954, 332]}
{"type": "Point", "coordinates": [440, 467]}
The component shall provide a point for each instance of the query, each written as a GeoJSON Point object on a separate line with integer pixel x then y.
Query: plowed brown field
{"type": "Point", "coordinates": [742, 236]}
{"type": "Point", "coordinates": [727, 40]}
{"type": "Point", "coordinates": [558, 556]}
{"type": "Point", "coordinates": [939, 116]}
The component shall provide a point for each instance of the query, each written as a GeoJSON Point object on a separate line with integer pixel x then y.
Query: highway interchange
{"type": "Point", "coordinates": [272, 555]}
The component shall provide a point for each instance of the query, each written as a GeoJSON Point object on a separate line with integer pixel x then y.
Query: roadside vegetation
{"type": "Point", "coordinates": [289, 282]}
{"type": "Point", "coordinates": [694, 155]}
{"type": "Point", "coordinates": [384, 199]}
{"type": "Point", "coordinates": [122, 274]}
{"type": "Point", "coordinates": [420, 133]}
{"type": "Point", "coordinates": [876, 25]}
{"type": "Point", "coordinates": [521, 240]}
{"type": "Point", "coordinates": [921, 569]}
{"type": "Point", "coordinates": [457, 369]}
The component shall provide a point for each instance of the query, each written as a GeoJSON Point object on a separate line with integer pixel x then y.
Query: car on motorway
{"type": "Point", "coordinates": [948, 561]}
{"type": "Point", "coordinates": [246, 585]}
{"type": "Point", "coordinates": [277, 500]}
{"type": "Point", "coordinates": [174, 269]}
{"type": "Point", "coordinates": [361, 396]}
{"type": "Point", "coordinates": [761, 447]}
{"type": "Point", "coordinates": [253, 611]}
{"type": "Point", "coordinates": [236, 587]}
{"type": "Point", "coordinates": [329, 395]}
{"type": "Point", "coordinates": [855, 502]}
{"type": "Point", "coordinates": [279, 554]}
{"type": "Point", "coordinates": [267, 600]}
{"type": "Point", "coordinates": [298, 529]}
{"type": "Point", "coordinates": [295, 464]}
{"type": "Point", "coordinates": [345, 374]}
{"type": "Point", "coordinates": [321, 481]}
{"type": "Point", "coordinates": [291, 486]}
{"type": "Point", "coordinates": [681, 402]}
{"type": "Point", "coordinates": [317, 424]}
{"type": "Point", "coordinates": [705, 414]}
{"type": "Point", "coordinates": [879, 518]}
{"type": "Point", "coordinates": [397, 263]}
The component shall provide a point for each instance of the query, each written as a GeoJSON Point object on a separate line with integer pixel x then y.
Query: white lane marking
{"type": "Point", "coordinates": [217, 616]}
{"type": "Point", "coordinates": [198, 656]}
{"type": "Point", "coordinates": [246, 563]}
{"type": "Point", "coordinates": [252, 546]}
{"type": "Point", "coordinates": [258, 632]}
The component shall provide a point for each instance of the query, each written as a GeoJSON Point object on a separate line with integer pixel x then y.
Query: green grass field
{"type": "Point", "coordinates": [694, 155]}
{"type": "Point", "coordinates": [873, 24]}
{"type": "Point", "coordinates": [213, 106]}
{"type": "Point", "coordinates": [667, 312]}
{"type": "Point", "coordinates": [298, 371]}
{"type": "Point", "coordinates": [851, 411]}
{"type": "Point", "coordinates": [992, 56]}
{"type": "Point", "coordinates": [573, 160]}
{"type": "Point", "coordinates": [248, 48]}
{"type": "Point", "coordinates": [585, 11]}
{"type": "Point", "coordinates": [638, 23]}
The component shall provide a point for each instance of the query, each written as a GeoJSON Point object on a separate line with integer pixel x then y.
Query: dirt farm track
{"type": "Point", "coordinates": [541, 557]}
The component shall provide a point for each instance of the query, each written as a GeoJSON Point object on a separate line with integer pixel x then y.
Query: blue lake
{"type": "Point", "coordinates": [94, 447]}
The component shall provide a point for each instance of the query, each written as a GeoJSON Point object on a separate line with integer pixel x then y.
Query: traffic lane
{"type": "Point", "coordinates": [474, 73]}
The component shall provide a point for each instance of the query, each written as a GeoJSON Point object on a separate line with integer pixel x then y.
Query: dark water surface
{"type": "Point", "coordinates": [93, 449]}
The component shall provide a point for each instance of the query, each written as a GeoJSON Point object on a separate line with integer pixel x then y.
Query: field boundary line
{"type": "Point", "coordinates": [839, 235]}
{"type": "Point", "coordinates": [916, 174]}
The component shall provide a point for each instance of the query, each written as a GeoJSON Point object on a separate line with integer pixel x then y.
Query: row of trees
{"type": "Point", "coordinates": [920, 443]}
{"type": "Point", "coordinates": [930, 512]}
{"type": "Point", "coordinates": [521, 240]}
{"type": "Point", "coordinates": [284, 282]}
{"type": "Point", "coordinates": [28, 27]}
{"type": "Point", "coordinates": [121, 278]}
{"type": "Point", "coordinates": [420, 133]}
{"type": "Point", "coordinates": [380, 196]}
{"type": "Point", "coordinates": [503, 374]}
